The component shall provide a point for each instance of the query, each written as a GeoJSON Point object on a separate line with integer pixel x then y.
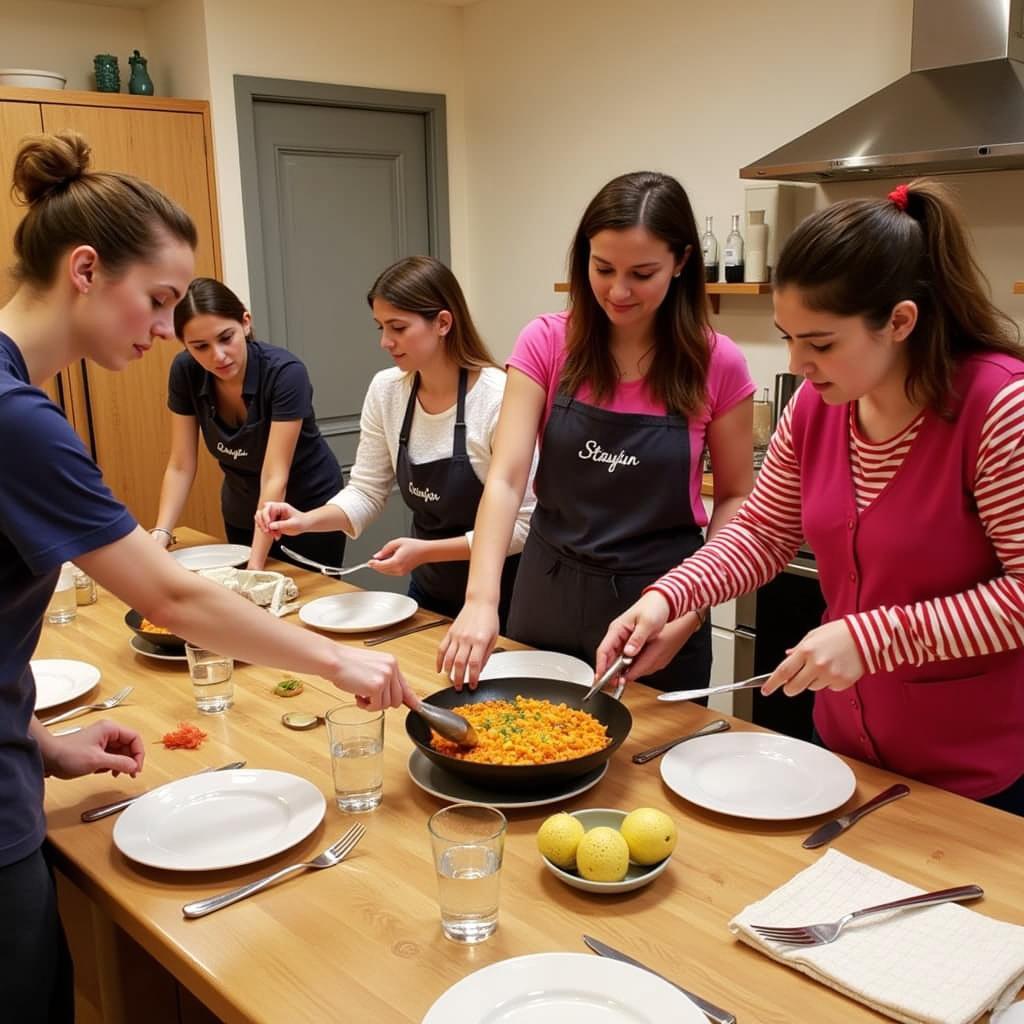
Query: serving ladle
{"type": "Point", "coordinates": [445, 723]}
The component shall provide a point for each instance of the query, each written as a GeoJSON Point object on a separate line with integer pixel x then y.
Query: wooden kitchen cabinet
{"type": "Point", "coordinates": [123, 416]}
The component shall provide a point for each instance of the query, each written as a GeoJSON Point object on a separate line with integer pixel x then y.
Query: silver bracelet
{"type": "Point", "coordinates": [160, 529]}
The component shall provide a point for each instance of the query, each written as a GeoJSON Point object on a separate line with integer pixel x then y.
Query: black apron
{"type": "Point", "coordinates": [443, 496]}
{"type": "Point", "coordinates": [613, 514]}
{"type": "Point", "coordinates": [240, 453]}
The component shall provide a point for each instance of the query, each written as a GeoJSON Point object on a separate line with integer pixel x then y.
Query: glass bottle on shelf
{"type": "Point", "coordinates": [709, 246]}
{"type": "Point", "coordinates": [732, 255]}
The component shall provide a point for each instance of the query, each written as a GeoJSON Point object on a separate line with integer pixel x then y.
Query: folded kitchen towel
{"type": "Point", "coordinates": [941, 965]}
{"type": "Point", "coordinates": [270, 590]}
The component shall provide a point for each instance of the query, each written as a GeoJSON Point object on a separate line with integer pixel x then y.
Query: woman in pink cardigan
{"type": "Point", "coordinates": [900, 462]}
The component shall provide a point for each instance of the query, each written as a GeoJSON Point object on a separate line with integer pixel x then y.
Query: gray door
{"type": "Point", "coordinates": [341, 190]}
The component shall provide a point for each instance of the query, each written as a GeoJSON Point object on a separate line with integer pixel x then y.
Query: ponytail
{"type": "Point", "coordinates": [860, 257]}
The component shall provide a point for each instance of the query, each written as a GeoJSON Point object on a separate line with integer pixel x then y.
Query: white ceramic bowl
{"type": "Point", "coordinates": [30, 78]}
{"type": "Point", "coordinates": [636, 876]}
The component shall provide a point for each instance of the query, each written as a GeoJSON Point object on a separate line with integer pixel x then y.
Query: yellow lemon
{"type": "Point", "coordinates": [603, 855]}
{"type": "Point", "coordinates": [558, 838]}
{"type": "Point", "coordinates": [650, 833]}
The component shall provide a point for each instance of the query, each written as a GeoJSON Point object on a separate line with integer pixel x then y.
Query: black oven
{"type": "Point", "coordinates": [769, 621]}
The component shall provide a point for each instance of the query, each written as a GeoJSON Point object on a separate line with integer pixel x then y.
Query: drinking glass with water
{"type": "Point", "coordinates": [468, 842]}
{"type": "Point", "coordinates": [211, 679]}
{"type": "Point", "coordinates": [356, 737]}
{"type": "Point", "coordinates": [63, 606]}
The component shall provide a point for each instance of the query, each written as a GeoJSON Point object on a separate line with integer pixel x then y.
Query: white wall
{"type": "Point", "coordinates": [562, 95]}
{"type": "Point", "coordinates": [388, 44]}
{"type": "Point", "coordinates": [178, 54]}
{"type": "Point", "coordinates": [64, 37]}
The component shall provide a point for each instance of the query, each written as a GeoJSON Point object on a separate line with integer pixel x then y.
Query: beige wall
{"type": "Point", "coordinates": [561, 95]}
{"type": "Point", "coordinates": [64, 37]}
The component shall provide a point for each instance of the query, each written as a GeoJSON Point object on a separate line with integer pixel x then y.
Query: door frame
{"type": "Point", "coordinates": [249, 90]}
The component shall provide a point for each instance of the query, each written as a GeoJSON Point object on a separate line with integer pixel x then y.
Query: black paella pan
{"type": "Point", "coordinates": [607, 710]}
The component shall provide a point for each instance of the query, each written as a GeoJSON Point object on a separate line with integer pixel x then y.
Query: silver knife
{"type": "Point", "coordinates": [709, 691]}
{"type": "Point", "coordinates": [831, 829]}
{"type": "Point", "coordinates": [106, 810]}
{"type": "Point", "coordinates": [712, 1012]}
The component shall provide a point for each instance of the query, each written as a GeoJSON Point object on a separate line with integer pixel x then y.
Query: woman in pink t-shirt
{"type": "Point", "coordinates": [624, 392]}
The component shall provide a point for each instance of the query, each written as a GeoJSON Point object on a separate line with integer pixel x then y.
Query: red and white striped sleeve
{"type": "Point", "coordinates": [754, 545]}
{"type": "Point", "coordinates": [987, 618]}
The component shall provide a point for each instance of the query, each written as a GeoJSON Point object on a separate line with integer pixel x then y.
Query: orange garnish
{"type": "Point", "coordinates": [187, 737]}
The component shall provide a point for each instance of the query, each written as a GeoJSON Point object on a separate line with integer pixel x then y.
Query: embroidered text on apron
{"type": "Point", "coordinates": [443, 496]}
{"type": "Point", "coordinates": [613, 513]}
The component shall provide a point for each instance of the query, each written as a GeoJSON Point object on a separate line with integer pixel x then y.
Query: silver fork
{"type": "Point", "coordinates": [821, 934]}
{"type": "Point", "coordinates": [327, 570]}
{"type": "Point", "coordinates": [103, 705]}
{"type": "Point", "coordinates": [334, 854]}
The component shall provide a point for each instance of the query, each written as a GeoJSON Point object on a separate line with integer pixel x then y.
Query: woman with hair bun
{"type": "Point", "coordinates": [253, 404]}
{"type": "Point", "coordinates": [428, 426]}
{"type": "Point", "coordinates": [101, 260]}
{"type": "Point", "coordinates": [900, 460]}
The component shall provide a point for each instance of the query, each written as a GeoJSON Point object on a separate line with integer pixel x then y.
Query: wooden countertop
{"type": "Point", "coordinates": [362, 941]}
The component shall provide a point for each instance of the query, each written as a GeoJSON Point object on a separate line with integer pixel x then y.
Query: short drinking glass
{"type": "Point", "coordinates": [468, 842]}
{"type": "Point", "coordinates": [211, 679]}
{"type": "Point", "coordinates": [356, 736]}
{"type": "Point", "coordinates": [63, 606]}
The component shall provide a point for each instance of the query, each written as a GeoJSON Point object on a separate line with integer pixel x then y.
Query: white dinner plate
{"type": "Point", "coordinates": [758, 775]}
{"type": "Point", "coordinates": [212, 556]}
{"type": "Point", "coordinates": [358, 611]}
{"type": "Point", "coordinates": [454, 789]}
{"type": "Point", "coordinates": [59, 680]}
{"type": "Point", "coordinates": [562, 988]}
{"type": "Point", "coordinates": [150, 650]}
{"type": "Point", "coordinates": [219, 819]}
{"type": "Point", "coordinates": [537, 665]}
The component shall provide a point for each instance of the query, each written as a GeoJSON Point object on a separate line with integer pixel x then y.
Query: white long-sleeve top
{"type": "Point", "coordinates": [430, 437]}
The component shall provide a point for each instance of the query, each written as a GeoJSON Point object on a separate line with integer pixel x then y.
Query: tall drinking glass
{"type": "Point", "coordinates": [63, 606]}
{"type": "Point", "coordinates": [468, 842]}
{"type": "Point", "coordinates": [356, 736]}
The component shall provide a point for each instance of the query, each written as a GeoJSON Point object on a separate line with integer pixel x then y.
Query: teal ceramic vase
{"type": "Point", "coordinates": [108, 75]}
{"type": "Point", "coordinates": [140, 84]}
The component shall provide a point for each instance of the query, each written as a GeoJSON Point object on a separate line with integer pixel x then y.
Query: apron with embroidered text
{"type": "Point", "coordinates": [613, 514]}
{"type": "Point", "coordinates": [443, 496]}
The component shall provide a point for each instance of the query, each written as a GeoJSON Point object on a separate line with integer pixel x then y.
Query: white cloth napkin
{"type": "Point", "coordinates": [937, 965]}
{"type": "Point", "coordinates": [270, 590]}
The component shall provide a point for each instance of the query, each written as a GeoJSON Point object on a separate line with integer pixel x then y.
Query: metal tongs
{"type": "Point", "coordinates": [614, 669]}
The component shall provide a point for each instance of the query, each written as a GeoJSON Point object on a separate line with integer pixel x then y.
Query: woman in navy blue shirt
{"type": "Point", "coordinates": [253, 403]}
{"type": "Point", "coordinates": [101, 260]}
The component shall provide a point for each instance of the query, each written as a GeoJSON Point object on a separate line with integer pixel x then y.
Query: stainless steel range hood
{"type": "Point", "coordinates": [961, 108]}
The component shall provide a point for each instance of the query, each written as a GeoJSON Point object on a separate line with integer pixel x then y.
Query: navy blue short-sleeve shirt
{"type": "Point", "coordinates": [54, 507]}
{"type": "Point", "coordinates": [276, 388]}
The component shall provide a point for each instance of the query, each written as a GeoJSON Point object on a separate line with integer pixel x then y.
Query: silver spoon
{"type": "Point", "coordinates": [448, 724]}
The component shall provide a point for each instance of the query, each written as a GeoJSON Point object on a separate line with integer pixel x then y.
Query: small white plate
{"type": "Point", "coordinates": [454, 789]}
{"type": "Point", "coordinates": [358, 611]}
{"type": "Point", "coordinates": [59, 680]}
{"type": "Point", "coordinates": [758, 775]}
{"type": "Point", "coordinates": [148, 650]}
{"type": "Point", "coordinates": [212, 556]}
{"type": "Point", "coordinates": [562, 988]}
{"type": "Point", "coordinates": [219, 820]}
{"type": "Point", "coordinates": [537, 665]}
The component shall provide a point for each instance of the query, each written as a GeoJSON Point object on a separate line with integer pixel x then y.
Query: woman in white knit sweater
{"type": "Point", "coordinates": [427, 423]}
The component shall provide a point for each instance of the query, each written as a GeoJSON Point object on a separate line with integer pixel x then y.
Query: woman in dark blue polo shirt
{"type": "Point", "coordinates": [253, 404]}
{"type": "Point", "coordinates": [101, 259]}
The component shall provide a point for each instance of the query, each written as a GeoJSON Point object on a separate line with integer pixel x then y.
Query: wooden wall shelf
{"type": "Point", "coordinates": [718, 289]}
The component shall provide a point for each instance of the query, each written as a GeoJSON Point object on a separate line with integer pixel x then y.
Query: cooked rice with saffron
{"type": "Point", "coordinates": [526, 731]}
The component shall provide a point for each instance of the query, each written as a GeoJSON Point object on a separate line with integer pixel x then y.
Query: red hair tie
{"type": "Point", "coordinates": [899, 196]}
